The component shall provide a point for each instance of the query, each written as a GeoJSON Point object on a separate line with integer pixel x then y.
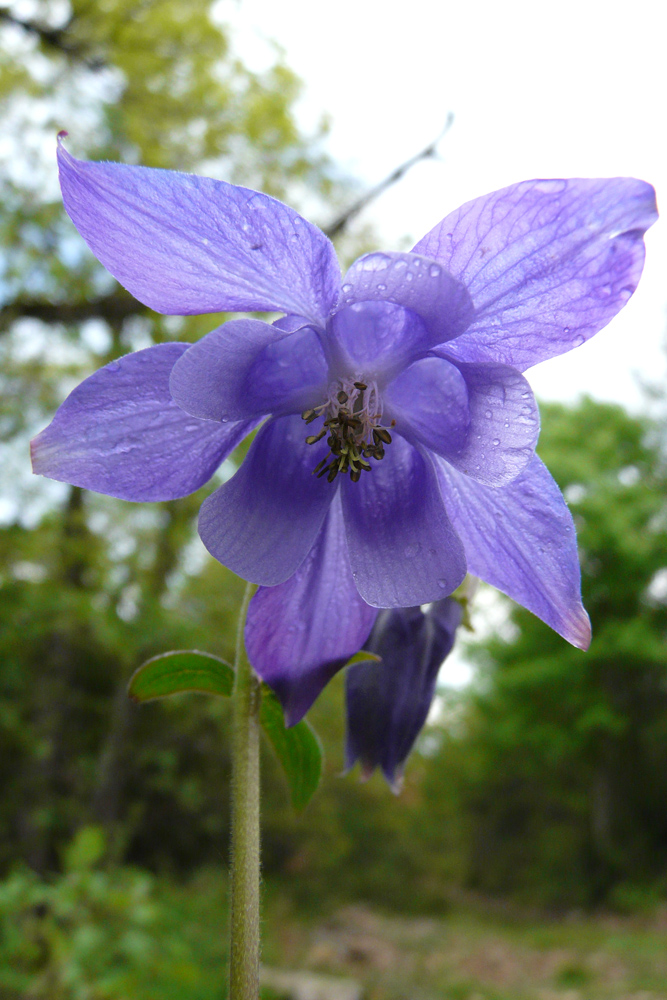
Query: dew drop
{"type": "Point", "coordinates": [382, 288]}
{"type": "Point", "coordinates": [435, 271]}
{"type": "Point", "coordinates": [347, 288]}
{"type": "Point", "coordinates": [113, 366]}
{"type": "Point", "coordinates": [496, 442]}
{"type": "Point", "coordinates": [578, 340]}
{"type": "Point", "coordinates": [375, 262]}
{"type": "Point", "coordinates": [488, 414]}
{"type": "Point", "coordinates": [408, 276]}
{"type": "Point", "coordinates": [442, 584]}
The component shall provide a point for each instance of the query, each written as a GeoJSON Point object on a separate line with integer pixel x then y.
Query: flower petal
{"type": "Point", "coordinates": [520, 538]}
{"type": "Point", "coordinates": [374, 338]}
{"type": "Point", "coordinates": [547, 263]}
{"type": "Point", "coordinates": [482, 418]}
{"type": "Point", "coordinates": [416, 283]}
{"type": "Point", "coordinates": [300, 633]}
{"type": "Point", "coordinates": [246, 368]}
{"type": "Point", "coordinates": [264, 520]}
{"type": "Point", "coordinates": [429, 402]}
{"type": "Point", "coordinates": [387, 703]}
{"type": "Point", "coordinates": [120, 433]}
{"type": "Point", "coordinates": [186, 244]}
{"type": "Point", "coordinates": [403, 549]}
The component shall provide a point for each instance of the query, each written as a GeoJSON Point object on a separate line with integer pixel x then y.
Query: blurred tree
{"type": "Point", "coordinates": [558, 762]}
{"type": "Point", "coordinates": [91, 586]}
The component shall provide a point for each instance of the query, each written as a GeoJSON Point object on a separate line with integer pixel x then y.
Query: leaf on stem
{"type": "Point", "coordinates": [297, 748]}
{"type": "Point", "coordinates": [180, 672]}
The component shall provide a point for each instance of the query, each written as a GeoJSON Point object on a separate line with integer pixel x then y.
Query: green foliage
{"type": "Point", "coordinates": [81, 936]}
{"type": "Point", "coordinates": [191, 672]}
{"type": "Point", "coordinates": [181, 672]}
{"type": "Point", "coordinates": [562, 768]}
{"type": "Point", "coordinates": [297, 748]}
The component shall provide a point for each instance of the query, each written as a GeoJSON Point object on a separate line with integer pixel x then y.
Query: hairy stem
{"type": "Point", "coordinates": [244, 951]}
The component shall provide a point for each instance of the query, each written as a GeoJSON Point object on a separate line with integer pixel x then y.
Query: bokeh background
{"type": "Point", "coordinates": [527, 854]}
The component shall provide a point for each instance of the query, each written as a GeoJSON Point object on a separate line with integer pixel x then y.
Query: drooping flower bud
{"type": "Point", "coordinates": [388, 702]}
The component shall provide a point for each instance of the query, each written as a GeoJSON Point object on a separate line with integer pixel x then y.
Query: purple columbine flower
{"type": "Point", "coordinates": [387, 702]}
{"type": "Point", "coordinates": [410, 366]}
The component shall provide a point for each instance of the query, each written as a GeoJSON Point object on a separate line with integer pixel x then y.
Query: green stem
{"type": "Point", "coordinates": [244, 951]}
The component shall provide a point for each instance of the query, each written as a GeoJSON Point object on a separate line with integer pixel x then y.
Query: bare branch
{"type": "Point", "coordinates": [430, 151]}
{"type": "Point", "coordinates": [115, 306]}
{"type": "Point", "coordinates": [56, 38]}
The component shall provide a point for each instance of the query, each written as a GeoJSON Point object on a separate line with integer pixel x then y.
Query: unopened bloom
{"type": "Point", "coordinates": [411, 366]}
{"type": "Point", "coordinates": [387, 702]}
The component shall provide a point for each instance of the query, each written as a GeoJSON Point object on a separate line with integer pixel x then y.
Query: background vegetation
{"type": "Point", "coordinates": [541, 789]}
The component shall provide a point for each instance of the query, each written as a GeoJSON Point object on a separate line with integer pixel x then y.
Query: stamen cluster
{"type": "Point", "coordinates": [352, 413]}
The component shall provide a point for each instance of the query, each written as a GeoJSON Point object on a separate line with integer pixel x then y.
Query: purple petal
{"type": "Point", "coordinates": [520, 538]}
{"type": "Point", "coordinates": [429, 401]}
{"type": "Point", "coordinates": [120, 433]}
{"type": "Point", "coordinates": [264, 521]}
{"type": "Point", "coordinates": [403, 549]}
{"type": "Point", "coordinates": [375, 339]}
{"type": "Point", "coordinates": [547, 263]}
{"type": "Point", "coordinates": [300, 633]}
{"type": "Point", "coordinates": [387, 703]}
{"type": "Point", "coordinates": [416, 283]}
{"type": "Point", "coordinates": [186, 244]}
{"type": "Point", "coordinates": [482, 418]}
{"type": "Point", "coordinates": [246, 368]}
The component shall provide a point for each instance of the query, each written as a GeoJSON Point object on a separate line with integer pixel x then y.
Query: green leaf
{"type": "Point", "coordinates": [297, 748]}
{"type": "Point", "coordinates": [363, 655]}
{"type": "Point", "coordinates": [180, 672]}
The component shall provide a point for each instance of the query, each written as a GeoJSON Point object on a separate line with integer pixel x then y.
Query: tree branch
{"type": "Point", "coordinates": [56, 38]}
{"type": "Point", "coordinates": [428, 152]}
{"type": "Point", "coordinates": [115, 306]}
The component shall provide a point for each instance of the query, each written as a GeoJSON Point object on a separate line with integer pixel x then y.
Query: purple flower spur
{"type": "Point", "coordinates": [397, 438]}
{"type": "Point", "coordinates": [387, 702]}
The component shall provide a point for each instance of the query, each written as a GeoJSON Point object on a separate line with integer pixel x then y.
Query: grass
{"type": "Point", "coordinates": [474, 951]}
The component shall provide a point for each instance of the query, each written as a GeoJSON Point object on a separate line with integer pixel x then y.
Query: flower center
{"type": "Point", "coordinates": [352, 413]}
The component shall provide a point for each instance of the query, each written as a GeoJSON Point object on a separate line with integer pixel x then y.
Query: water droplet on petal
{"type": "Point", "coordinates": [496, 442]}
{"type": "Point", "coordinates": [113, 366]}
{"type": "Point", "coordinates": [374, 262]}
{"type": "Point", "coordinates": [382, 288]}
{"type": "Point", "coordinates": [435, 271]}
{"type": "Point", "coordinates": [408, 276]}
{"type": "Point", "coordinates": [578, 340]}
{"type": "Point", "coordinates": [347, 288]}
{"type": "Point", "coordinates": [442, 584]}
{"type": "Point", "coordinates": [488, 414]}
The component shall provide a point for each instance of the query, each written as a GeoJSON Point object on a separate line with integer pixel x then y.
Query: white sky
{"type": "Point", "coordinates": [565, 89]}
{"type": "Point", "coordinates": [574, 88]}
